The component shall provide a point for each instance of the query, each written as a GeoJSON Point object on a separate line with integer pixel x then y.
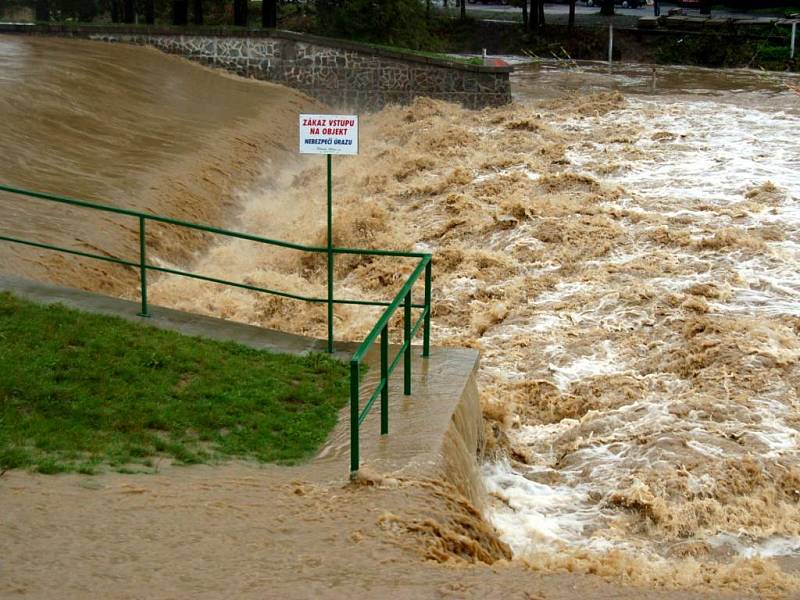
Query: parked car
{"type": "Point", "coordinates": [622, 3]}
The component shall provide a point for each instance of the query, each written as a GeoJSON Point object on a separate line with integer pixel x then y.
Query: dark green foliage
{"type": "Point", "coordinates": [74, 10]}
{"type": "Point", "coordinates": [78, 391]}
{"type": "Point", "coordinates": [723, 51]}
{"type": "Point", "coordinates": [393, 22]}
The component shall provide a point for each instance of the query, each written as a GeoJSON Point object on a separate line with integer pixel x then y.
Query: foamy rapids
{"type": "Point", "coordinates": [628, 269]}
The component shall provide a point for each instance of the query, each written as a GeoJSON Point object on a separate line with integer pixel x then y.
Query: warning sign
{"type": "Point", "coordinates": [328, 134]}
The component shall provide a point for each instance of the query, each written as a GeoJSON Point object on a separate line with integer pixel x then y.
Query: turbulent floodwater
{"type": "Point", "coordinates": [130, 127]}
{"type": "Point", "coordinates": [627, 266]}
{"type": "Point", "coordinates": [624, 253]}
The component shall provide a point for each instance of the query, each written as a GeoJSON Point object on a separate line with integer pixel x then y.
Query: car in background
{"type": "Point", "coordinates": [622, 3]}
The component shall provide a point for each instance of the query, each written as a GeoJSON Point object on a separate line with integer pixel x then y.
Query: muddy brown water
{"type": "Point", "coordinates": [129, 127]}
{"type": "Point", "coordinates": [623, 253]}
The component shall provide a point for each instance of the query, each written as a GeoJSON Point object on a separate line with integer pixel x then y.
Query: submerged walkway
{"type": "Point", "coordinates": [418, 424]}
{"type": "Point", "coordinates": [251, 531]}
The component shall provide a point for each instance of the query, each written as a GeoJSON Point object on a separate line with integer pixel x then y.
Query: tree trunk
{"type": "Point", "coordinates": [269, 13]}
{"type": "Point", "coordinates": [463, 9]}
{"type": "Point", "coordinates": [607, 8]}
{"type": "Point", "coordinates": [180, 12]}
{"type": "Point", "coordinates": [240, 13]}
{"type": "Point", "coordinates": [541, 13]}
{"type": "Point", "coordinates": [571, 14]}
{"type": "Point", "coordinates": [128, 11]}
{"type": "Point", "coordinates": [656, 9]}
{"type": "Point", "coordinates": [525, 15]}
{"type": "Point", "coordinates": [149, 12]}
{"type": "Point", "coordinates": [197, 12]}
{"type": "Point", "coordinates": [533, 20]}
{"type": "Point", "coordinates": [42, 10]}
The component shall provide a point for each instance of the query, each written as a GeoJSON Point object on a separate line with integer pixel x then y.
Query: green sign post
{"type": "Point", "coordinates": [329, 135]}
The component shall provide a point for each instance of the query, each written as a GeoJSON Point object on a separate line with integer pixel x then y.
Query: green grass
{"type": "Point", "coordinates": [82, 392]}
{"type": "Point", "coordinates": [427, 54]}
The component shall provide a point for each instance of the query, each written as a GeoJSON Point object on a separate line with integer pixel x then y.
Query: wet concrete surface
{"type": "Point", "coordinates": [418, 423]}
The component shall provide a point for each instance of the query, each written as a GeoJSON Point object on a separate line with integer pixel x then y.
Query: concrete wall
{"type": "Point", "coordinates": [342, 74]}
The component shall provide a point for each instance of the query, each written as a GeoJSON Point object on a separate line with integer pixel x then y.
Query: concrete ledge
{"type": "Point", "coordinates": [434, 433]}
{"type": "Point", "coordinates": [87, 30]}
{"type": "Point", "coordinates": [343, 74]}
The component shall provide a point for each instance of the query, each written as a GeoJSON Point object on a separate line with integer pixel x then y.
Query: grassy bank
{"type": "Point", "coordinates": [80, 392]}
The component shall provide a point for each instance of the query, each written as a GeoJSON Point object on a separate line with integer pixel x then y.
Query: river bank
{"type": "Point", "coordinates": [606, 253]}
{"type": "Point", "coordinates": [676, 43]}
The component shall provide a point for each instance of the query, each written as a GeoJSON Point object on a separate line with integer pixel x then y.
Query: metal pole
{"type": "Point", "coordinates": [794, 35]}
{"type": "Point", "coordinates": [407, 342]}
{"type": "Point", "coordinates": [353, 417]}
{"type": "Point", "coordinates": [426, 333]}
{"type": "Point", "coordinates": [385, 380]}
{"type": "Point", "coordinates": [143, 267]}
{"type": "Point", "coordinates": [330, 257]}
{"type": "Point", "coordinates": [610, 43]}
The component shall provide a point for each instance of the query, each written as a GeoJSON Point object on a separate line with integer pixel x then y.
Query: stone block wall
{"type": "Point", "coordinates": [344, 75]}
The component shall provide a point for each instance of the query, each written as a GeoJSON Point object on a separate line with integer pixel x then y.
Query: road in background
{"type": "Point", "coordinates": [558, 12]}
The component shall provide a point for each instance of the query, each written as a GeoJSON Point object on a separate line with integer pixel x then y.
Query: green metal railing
{"type": "Point", "coordinates": [381, 328]}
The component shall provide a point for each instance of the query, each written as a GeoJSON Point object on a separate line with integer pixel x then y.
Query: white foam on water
{"type": "Point", "coordinates": [715, 153]}
{"type": "Point", "coordinates": [602, 361]}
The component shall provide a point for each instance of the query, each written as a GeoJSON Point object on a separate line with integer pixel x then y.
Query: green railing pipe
{"type": "Point", "coordinates": [354, 457]}
{"type": "Point", "coordinates": [403, 296]}
{"type": "Point", "coordinates": [376, 329]}
{"type": "Point", "coordinates": [385, 380]}
{"type": "Point", "coordinates": [207, 228]}
{"type": "Point", "coordinates": [143, 266]}
{"type": "Point", "coordinates": [426, 336]}
{"type": "Point", "coordinates": [407, 344]}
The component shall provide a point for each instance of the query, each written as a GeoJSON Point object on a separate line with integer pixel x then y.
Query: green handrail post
{"type": "Point", "coordinates": [381, 328]}
{"type": "Point", "coordinates": [385, 380]}
{"type": "Point", "coordinates": [330, 256]}
{"type": "Point", "coordinates": [353, 417]}
{"type": "Point", "coordinates": [426, 328]}
{"type": "Point", "coordinates": [143, 266]}
{"type": "Point", "coordinates": [407, 343]}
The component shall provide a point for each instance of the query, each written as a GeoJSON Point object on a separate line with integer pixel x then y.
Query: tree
{"type": "Point", "coordinates": [149, 12]}
{"type": "Point", "coordinates": [42, 10]}
{"type": "Point", "coordinates": [536, 18]}
{"type": "Point", "coordinates": [240, 13]}
{"type": "Point", "coordinates": [128, 12]}
{"type": "Point", "coordinates": [572, 13]}
{"type": "Point", "coordinates": [393, 22]}
{"type": "Point", "coordinates": [269, 13]}
{"type": "Point", "coordinates": [180, 12]}
{"type": "Point", "coordinates": [607, 8]}
{"type": "Point", "coordinates": [463, 9]}
{"type": "Point", "coordinates": [197, 12]}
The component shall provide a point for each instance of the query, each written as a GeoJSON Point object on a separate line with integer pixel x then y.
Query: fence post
{"type": "Point", "coordinates": [330, 256]}
{"type": "Point", "coordinates": [354, 383]}
{"type": "Point", "coordinates": [610, 44]}
{"type": "Point", "coordinates": [407, 343]}
{"type": "Point", "coordinates": [385, 380]}
{"type": "Point", "coordinates": [143, 267]}
{"type": "Point", "coordinates": [794, 36]}
{"type": "Point", "coordinates": [426, 332]}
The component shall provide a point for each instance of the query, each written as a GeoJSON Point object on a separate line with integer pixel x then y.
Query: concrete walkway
{"type": "Point", "coordinates": [418, 424]}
